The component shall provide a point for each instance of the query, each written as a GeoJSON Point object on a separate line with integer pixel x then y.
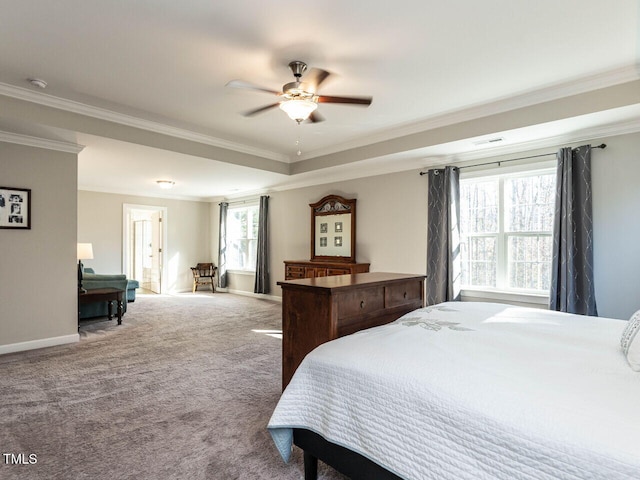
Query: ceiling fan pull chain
{"type": "Point", "coordinates": [299, 152]}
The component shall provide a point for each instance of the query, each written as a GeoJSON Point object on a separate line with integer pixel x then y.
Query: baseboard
{"type": "Point", "coordinates": [42, 343]}
{"type": "Point", "coordinates": [275, 298]}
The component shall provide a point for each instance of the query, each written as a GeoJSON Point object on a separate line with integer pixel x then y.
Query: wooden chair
{"type": "Point", "coordinates": [204, 274]}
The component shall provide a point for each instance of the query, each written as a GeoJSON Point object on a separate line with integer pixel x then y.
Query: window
{"type": "Point", "coordinates": [506, 225]}
{"type": "Point", "coordinates": [242, 237]}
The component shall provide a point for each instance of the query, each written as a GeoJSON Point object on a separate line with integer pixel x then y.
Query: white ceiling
{"type": "Point", "coordinates": [162, 66]}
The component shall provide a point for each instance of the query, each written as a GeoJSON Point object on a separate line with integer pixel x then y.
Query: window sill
{"type": "Point", "coordinates": [242, 272]}
{"type": "Point", "coordinates": [509, 297]}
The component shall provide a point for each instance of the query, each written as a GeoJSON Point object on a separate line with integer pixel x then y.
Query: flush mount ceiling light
{"type": "Point", "coordinates": [37, 82]}
{"type": "Point", "coordinates": [298, 110]}
{"type": "Point", "coordinates": [166, 184]}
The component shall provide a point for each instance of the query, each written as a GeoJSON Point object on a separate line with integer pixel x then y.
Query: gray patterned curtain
{"type": "Point", "coordinates": [222, 245]}
{"type": "Point", "coordinates": [262, 255]}
{"type": "Point", "coordinates": [443, 236]}
{"type": "Point", "coordinates": [572, 288]}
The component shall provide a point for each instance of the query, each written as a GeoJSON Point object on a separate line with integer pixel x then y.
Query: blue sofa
{"type": "Point", "coordinates": [92, 280]}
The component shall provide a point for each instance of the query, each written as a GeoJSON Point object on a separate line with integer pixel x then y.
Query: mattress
{"type": "Point", "coordinates": [468, 390]}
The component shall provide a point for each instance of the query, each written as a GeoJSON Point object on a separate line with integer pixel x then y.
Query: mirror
{"type": "Point", "coordinates": [333, 229]}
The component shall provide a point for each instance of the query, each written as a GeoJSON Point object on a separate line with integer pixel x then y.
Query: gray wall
{"type": "Point", "coordinates": [391, 223]}
{"type": "Point", "coordinates": [188, 233]}
{"type": "Point", "coordinates": [616, 224]}
{"type": "Point", "coordinates": [38, 274]}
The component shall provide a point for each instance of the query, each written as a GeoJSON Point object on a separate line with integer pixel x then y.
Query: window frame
{"type": "Point", "coordinates": [242, 206]}
{"type": "Point", "coordinates": [502, 291]}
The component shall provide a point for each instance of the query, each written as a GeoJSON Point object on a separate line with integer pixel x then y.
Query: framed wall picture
{"type": "Point", "coordinates": [15, 208]}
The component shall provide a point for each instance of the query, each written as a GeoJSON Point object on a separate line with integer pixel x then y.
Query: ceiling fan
{"type": "Point", "coordinates": [299, 99]}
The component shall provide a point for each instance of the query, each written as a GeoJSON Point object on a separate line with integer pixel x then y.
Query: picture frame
{"type": "Point", "coordinates": [15, 208]}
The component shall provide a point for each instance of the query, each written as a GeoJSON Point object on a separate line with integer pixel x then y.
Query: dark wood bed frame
{"type": "Point", "coordinates": [349, 463]}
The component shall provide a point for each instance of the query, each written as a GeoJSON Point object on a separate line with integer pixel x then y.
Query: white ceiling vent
{"type": "Point", "coordinates": [489, 141]}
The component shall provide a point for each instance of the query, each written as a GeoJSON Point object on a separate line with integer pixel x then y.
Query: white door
{"type": "Point", "coordinates": [155, 245]}
{"type": "Point", "coordinates": [144, 238]}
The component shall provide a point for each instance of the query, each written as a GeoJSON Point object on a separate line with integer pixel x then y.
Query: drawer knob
{"type": "Point", "coordinates": [404, 295]}
{"type": "Point", "coordinates": [361, 303]}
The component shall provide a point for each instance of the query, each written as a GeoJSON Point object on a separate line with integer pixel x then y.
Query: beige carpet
{"type": "Point", "coordinates": [183, 389]}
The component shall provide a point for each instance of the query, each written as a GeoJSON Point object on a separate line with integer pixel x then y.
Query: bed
{"type": "Point", "coordinates": [466, 390]}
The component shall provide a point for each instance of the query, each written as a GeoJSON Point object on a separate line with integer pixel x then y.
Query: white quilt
{"type": "Point", "coordinates": [474, 391]}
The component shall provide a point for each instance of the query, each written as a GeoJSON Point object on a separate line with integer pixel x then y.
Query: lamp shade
{"type": "Point", "coordinates": [85, 251]}
{"type": "Point", "coordinates": [298, 110]}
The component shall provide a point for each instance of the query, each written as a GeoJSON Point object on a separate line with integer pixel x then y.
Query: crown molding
{"type": "Point", "coordinates": [598, 81]}
{"type": "Point", "coordinates": [586, 135]}
{"type": "Point", "coordinates": [37, 142]}
{"type": "Point", "coordinates": [138, 193]}
{"type": "Point", "coordinates": [131, 121]}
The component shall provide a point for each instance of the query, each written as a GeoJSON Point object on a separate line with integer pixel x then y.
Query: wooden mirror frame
{"type": "Point", "coordinates": [334, 205]}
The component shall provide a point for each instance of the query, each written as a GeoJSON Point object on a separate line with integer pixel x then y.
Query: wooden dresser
{"type": "Point", "coordinates": [316, 310]}
{"type": "Point", "coordinates": [310, 269]}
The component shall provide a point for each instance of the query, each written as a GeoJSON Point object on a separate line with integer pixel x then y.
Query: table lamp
{"type": "Point", "coordinates": [85, 252]}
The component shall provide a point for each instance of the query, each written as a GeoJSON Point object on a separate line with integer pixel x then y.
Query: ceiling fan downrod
{"type": "Point", "coordinates": [298, 68]}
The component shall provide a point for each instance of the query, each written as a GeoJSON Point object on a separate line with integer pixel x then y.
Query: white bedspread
{"type": "Point", "coordinates": [474, 390]}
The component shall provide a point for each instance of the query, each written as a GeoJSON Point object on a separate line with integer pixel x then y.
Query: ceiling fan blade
{"type": "Point", "coordinates": [351, 100]}
{"type": "Point", "coordinates": [315, 77]}
{"type": "Point", "coordinates": [251, 113]}
{"type": "Point", "coordinates": [250, 86]}
{"type": "Point", "coordinates": [315, 117]}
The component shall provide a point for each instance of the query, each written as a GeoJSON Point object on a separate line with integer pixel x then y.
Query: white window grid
{"type": "Point", "coordinates": [502, 237]}
{"type": "Point", "coordinates": [244, 247]}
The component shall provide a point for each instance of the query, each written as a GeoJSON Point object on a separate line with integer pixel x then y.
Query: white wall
{"type": "Point", "coordinates": [188, 233]}
{"type": "Point", "coordinates": [38, 273]}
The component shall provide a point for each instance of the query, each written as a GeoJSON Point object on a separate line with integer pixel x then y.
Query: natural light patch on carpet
{"type": "Point", "coordinates": [270, 333]}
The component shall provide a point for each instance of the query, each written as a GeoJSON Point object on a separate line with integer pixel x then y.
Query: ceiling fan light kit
{"type": "Point", "coordinates": [298, 110]}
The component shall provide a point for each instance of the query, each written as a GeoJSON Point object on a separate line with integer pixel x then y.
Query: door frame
{"type": "Point", "coordinates": [127, 232]}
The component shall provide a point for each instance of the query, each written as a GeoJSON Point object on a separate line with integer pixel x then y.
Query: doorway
{"type": "Point", "coordinates": [144, 242]}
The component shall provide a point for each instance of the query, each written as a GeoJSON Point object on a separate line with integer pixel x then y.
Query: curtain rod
{"type": "Point", "coordinates": [240, 202]}
{"type": "Point", "coordinates": [246, 200]}
{"type": "Point", "coordinates": [602, 145]}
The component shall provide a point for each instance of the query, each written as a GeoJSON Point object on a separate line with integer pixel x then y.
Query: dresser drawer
{"type": "Point", "coordinates": [338, 271]}
{"type": "Point", "coordinates": [360, 302]}
{"type": "Point", "coordinates": [293, 271]}
{"type": "Point", "coordinates": [403, 293]}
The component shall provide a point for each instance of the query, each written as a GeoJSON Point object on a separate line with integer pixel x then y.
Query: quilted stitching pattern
{"type": "Point", "coordinates": [630, 342]}
{"type": "Point", "coordinates": [498, 427]}
{"type": "Point", "coordinates": [630, 332]}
